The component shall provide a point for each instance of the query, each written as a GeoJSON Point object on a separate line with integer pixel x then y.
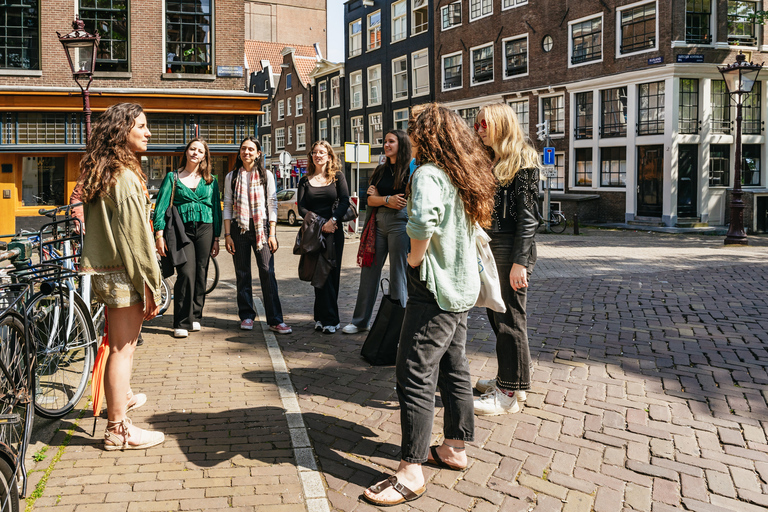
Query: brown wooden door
{"type": "Point", "coordinates": [650, 178]}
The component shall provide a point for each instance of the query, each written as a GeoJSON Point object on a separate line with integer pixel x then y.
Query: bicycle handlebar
{"type": "Point", "coordinates": [52, 212]}
{"type": "Point", "coordinates": [7, 255]}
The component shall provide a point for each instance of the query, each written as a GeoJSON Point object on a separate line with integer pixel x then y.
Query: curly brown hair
{"type": "Point", "coordinates": [440, 136]}
{"type": "Point", "coordinates": [331, 168]}
{"type": "Point", "coordinates": [107, 152]}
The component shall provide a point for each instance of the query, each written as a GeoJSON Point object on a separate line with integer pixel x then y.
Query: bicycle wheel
{"type": "Point", "coordinates": [557, 223]}
{"type": "Point", "coordinates": [166, 294]}
{"type": "Point", "coordinates": [16, 411]}
{"type": "Point", "coordinates": [9, 491]}
{"type": "Point", "coordinates": [63, 349]}
{"type": "Point", "coordinates": [213, 275]}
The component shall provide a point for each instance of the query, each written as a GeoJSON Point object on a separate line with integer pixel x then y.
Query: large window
{"type": "Point", "coordinates": [451, 15]}
{"type": "Point", "coordinates": [376, 129]}
{"type": "Point", "coordinates": [374, 85]}
{"type": "Point", "coordinates": [452, 71]}
{"type": "Point", "coordinates": [356, 90]}
{"type": "Point", "coordinates": [279, 138]}
{"type": "Point", "coordinates": [266, 144]}
{"type": "Point", "coordinates": [322, 95]}
{"type": "Point", "coordinates": [358, 135]}
{"type": "Point", "coordinates": [650, 108]}
{"type": "Point", "coordinates": [43, 181]}
{"type": "Point", "coordinates": [399, 20]}
{"type": "Point", "coordinates": [721, 107]}
{"type": "Point", "coordinates": [322, 129]}
{"type": "Point", "coordinates": [299, 104]}
{"type": "Point", "coordinates": [719, 165]}
{"type": "Point", "coordinates": [698, 17]}
{"type": "Point", "coordinates": [688, 115]}
{"type": "Point", "coordinates": [420, 70]}
{"type": "Point", "coordinates": [374, 30]}
{"type": "Point", "coordinates": [583, 128]}
{"type": "Point", "coordinates": [280, 110]}
{"type": "Point", "coordinates": [586, 41]}
{"type": "Point", "coordinates": [750, 164]}
{"type": "Point", "coordinates": [521, 110]}
{"type": "Point", "coordinates": [583, 171]}
{"type": "Point", "coordinates": [168, 128]}
{"type": "Point", "coordinates": [335, 131]}
{"type": "Point", "coordinates": [267, 119]}
{"type": "Point", "coordinates": [400, 78]}
{"type": "Point", "coordinates": [43, 128]}
{"type": "Point", "coordinates": [741, 27]}
{"type": "Point", "coordinates": [355, 38]}
{"type": "Point", "coordinates": [335, 97]}
{"type": "Point", "coordinates": [553, 110]}
{"type": "Point", "coordinates": [613, 167]}
{"type": "Point", "coordinates": [480, 8]}
{"type": "Point", "coordinates": [516, 57]}
{"type": "Point", "coordinates": [400, 118]}
{"type": "Point", "coordinates": [110, 18]}
{"type": "Point", "coordinates": [301, 136]}
{"type": "Point", "coordinates": [20, 35]}
{"type": "Point", "coordinates": [752, 123]}
{"type": "Point", "coordinates": [188, 34]}
{"type": "Point", "coordinates": [482, 64]}
{"type": "Point", "coordinates": [613, 104]}
{"type": "Point", "coordinates": [420, 17]}
{"type": "Point", "coordinates": [638, 28]}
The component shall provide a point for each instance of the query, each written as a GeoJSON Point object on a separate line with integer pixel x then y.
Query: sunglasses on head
{"type": "Point", "coordinates": [481, 123]}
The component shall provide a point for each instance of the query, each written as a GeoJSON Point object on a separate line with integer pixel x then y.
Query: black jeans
{"type": "Point", "coordinates": [327, 297]}
{"type": "Point", "coordinates": [265, 262]}
{"type": "Point", "coordinates": [189, 290]}
{"type": "Point", "coordinates": [432, 355]}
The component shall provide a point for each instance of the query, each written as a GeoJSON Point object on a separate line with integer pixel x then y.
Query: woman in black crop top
{"type": "Point", "coordinates": [387, 196]}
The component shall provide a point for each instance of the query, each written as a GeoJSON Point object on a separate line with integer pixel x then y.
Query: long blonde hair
{"type": "Point", "coordinates": [508, 142]}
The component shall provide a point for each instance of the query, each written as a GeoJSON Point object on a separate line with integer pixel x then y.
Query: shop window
{"type": "Point", "coordinates": [167, 128]}
{"type": "Point", "coordinates": [217, 129]}
{"type": "Point", "coordinates": [43, 181]}
{"type": "Point", "coordinates": [41, 128]}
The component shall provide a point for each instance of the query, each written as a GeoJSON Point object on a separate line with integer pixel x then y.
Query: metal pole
{"type": "Point", "coordinates": [547, 197]}
{"type": "Point", "coordinates": [86, 107]}
{"type": "Point", "coordinates": [736, 234]}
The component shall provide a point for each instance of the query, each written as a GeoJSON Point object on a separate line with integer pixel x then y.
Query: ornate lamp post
{"type": "Point", "coordinates": [739, 78]}
{"type": "Point", "coordinates": [80, 47]}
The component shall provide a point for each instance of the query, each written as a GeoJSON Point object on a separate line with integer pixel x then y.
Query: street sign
{"type": "Point", "coordinates": [360, 153]}
{"type": "Point", "coordinates": [549, 172]}
{"type": "Point", "coordinates": [285, 158]}
{"type": "Point", "coordinates": [549, 156]}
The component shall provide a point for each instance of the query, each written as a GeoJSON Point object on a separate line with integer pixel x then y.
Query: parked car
{"type": "Point", "coordinates": [287, 206]}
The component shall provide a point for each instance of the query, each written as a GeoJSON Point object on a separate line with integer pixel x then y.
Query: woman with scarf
{"type": "Point", "coordinates": [196, 196]}
{"type": "Point", "coordinates": [250, 219]}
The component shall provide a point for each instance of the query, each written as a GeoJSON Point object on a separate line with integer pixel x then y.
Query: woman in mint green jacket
{"type": "Point", "coordinates": [198, 201]}
{"type": "Point", "coordinates": [450, 192]}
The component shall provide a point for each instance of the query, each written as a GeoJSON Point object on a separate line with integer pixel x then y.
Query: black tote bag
{"type": "Point", "coordinates": [380, 347]}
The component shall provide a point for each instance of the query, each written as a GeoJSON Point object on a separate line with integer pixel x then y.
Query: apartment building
{"type": "Point", "coordinates": [328, 101]}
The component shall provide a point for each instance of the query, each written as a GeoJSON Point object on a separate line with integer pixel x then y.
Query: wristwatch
{"type": "Point", "coordinates": [387, 200]}
{"type": "Point", "coordinates": [333, 219]}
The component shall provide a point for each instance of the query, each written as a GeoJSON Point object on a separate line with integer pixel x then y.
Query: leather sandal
{"type": "Point", "coordinates": [117, 439]}
{"type": "Point", "coordinates": [440, 463]}
{"type": "Point", "coordinates": [407, 494]}
{"type": "Point", "coordinates": [135, 401]}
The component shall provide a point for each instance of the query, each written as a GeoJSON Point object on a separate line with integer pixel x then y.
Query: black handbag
{"type": "Point", "coordinates": [380, 347]}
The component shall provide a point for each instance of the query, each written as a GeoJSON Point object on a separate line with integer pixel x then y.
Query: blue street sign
{"type": "Point", "coordinates": [549, 156]}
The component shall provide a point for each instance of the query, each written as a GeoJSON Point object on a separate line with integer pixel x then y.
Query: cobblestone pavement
{"type": "Point", "coordinates": [649, 394]}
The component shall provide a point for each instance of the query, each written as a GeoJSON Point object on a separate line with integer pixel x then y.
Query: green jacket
{"type": "Point", "coordinates": [118, 237]}
{"type": "Point", "coordinates": [200, 205]}
{"type": "Point", "coordinates": [436, 213]}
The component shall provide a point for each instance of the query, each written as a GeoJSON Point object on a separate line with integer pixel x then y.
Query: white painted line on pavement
{"type": "Point", "coordinates": [306, 465]}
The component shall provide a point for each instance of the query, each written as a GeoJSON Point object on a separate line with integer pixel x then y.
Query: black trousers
{"type": "Point", "coordinates": [265, 262]}
{"type": "Point", "coordinates": [189, 291]}
{"type": "Point", "coordinates": [327, 297]}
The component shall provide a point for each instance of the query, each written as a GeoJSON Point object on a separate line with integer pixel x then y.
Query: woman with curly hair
{"type": "Point", "coordinates": [515, 219]}
{"type": "Point", "coordinates": [449, 193]}
{"type": "Point", "coordinates": [119, 252]}
{"type": "Point", "coordinates": [323, 191]}
{"type": "Point", "coordinates": [386, 201]}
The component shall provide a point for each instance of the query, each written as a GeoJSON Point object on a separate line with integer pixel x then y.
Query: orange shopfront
{"type": "Point", "coordinates": [42, 139]}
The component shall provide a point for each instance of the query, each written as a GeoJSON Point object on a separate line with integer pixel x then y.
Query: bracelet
{"type": "Point", "coordinates": [387, 200]}
{"type": "Point", "coordinates": [226, 235]}
{"type": "Point", "coordinates": [272, 236]}
{"type": "Point", "coordinates": [158, 235]}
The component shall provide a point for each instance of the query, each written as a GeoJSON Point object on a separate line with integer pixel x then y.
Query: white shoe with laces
{"type": "Point", "coordinates": [330, 329]}
{"type": "Point", "coordinates": [180, 333]}
{"type": "Point", "coordinates": [483, 385]}
{"type": "Point", "coordinates": [352, 329]}
{"type": "Point", "coordinates": [494, 403]}
{"type": "Point", "coordinates": [196, 326]}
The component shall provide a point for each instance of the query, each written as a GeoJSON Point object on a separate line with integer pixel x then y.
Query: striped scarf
{"type": "Point", "coordinates": [249, 191]}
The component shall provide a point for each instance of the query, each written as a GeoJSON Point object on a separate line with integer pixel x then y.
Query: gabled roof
{"type": "Point", "coordinates": [256, 51]}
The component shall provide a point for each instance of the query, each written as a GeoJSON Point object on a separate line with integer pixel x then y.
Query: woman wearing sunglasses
{"type": "Point", "coordinates": [514, 223]}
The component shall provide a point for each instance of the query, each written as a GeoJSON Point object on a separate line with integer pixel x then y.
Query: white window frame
{"type": "Point", "coordinates": [266, 144]}
{"type": "Point", "coordinates": [404, 20]}
{"type": "Point", "coordinates": [602, 39]}
{"type": "Point", "coordinates": [425, 7]}
{"type": "Point", "coordinates": [372, 83]}
{"type": "Point", "coordinates": [513, 4]}
{"type": "Point", "coordinates": [322, 95]}
{"type": "Point", "coordinates": [442, 70]}
{"type": "Point", "coordinates": [394, 76]}
{"type": "Point", "coordinates": [414, 86]}
{"type": "Point", "coordinates": [337, 82]}
{"type": "Point", "coordinates": [299, 105]}
{"type": "Point", "coordinates": [336, 131]}
{"type": "Point", "coordinates": [395, 120]}
{"type": "Point", "coordinates": [618, 33]}
{"type": "Point", "coordinates": [322, 127]}
{"type": "Point", "coordinates": [280, 110]}
{"type": "Point", "coordinates": [527, 127]}
{"type": "Point", "coordinates": [445, 8]}
{"type": "Point", "coordinates": [472, 64]}
{"type": "Point", "coordinates": [289, 133]}
{"type": "Point", "coordinates": [370, 128]}
{"type": "Point", "coordinates": [369, 29]}
{"type": "Point", "coordinates": [288, 104]}
{"type": "Point", "coordinates": [301, 136]}
{"type": "Point", "coordinates": [504, 56]}
{"type": "Point", "coordinates": [352, 86]}
{"type": "Point", "coordinates": [279, 138]}
{"type": "Point", "coordinates": [267, 118]}
{"type": "Point", "coordinates": [471, 19]}
{"type": "Point", "coordinates": [354, 52]}
{"type": "Point", "coordinates": [541, 113]}
{"type": "Point", "coordinates": [361, 126]}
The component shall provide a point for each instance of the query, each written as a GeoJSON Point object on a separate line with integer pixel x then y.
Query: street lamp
{"type": "Point", "coordinates": [739, 78]}
{"type": "Point", "coordinates": [80, 47]}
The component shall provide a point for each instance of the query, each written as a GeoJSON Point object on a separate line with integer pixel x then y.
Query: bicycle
{"type": "Point", "coordinates": [557, 221]}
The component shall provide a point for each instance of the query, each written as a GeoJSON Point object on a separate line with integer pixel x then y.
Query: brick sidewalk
{"type": "Point", "coordinates": [650, 355]}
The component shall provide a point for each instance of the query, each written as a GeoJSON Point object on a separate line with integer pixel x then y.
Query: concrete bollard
{"type": "Point", "coordinates": [575, 223]}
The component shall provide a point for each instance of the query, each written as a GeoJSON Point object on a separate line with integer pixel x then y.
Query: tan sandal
{"type": "Point", "coordinates": [118, 440]}
{"type": "Point", "coordinates": [135, 401]}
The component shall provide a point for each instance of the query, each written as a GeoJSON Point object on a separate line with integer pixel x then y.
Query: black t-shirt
{"type": "Point", "coordinates": [320, 199]}
{"type": "Point", "coordinates": [386, 183]}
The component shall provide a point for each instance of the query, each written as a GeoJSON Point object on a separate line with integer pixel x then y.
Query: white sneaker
{"type": "Point", "coordinates": [483, 385]}
{"type": "Point", "coordinates": [196, 326]}
{"type": "Point", "coordinates": [318, 325]}
{"type": "Point", "coordinates": [494, 403]}
{"type": "Point", "coordinates": [180, 333]}
{"type": "Point", "coordinates": [351, 329]}
{"type": "Point", "coordinates": [330, 329]}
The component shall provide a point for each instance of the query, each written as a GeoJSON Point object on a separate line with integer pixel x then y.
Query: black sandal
{"type": "Point", "coordinates": [440, 463]}
{"type": "Point", "coordinates": [408, 495]}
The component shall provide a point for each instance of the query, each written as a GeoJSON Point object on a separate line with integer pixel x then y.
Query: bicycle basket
{"type": "Point", "coordinates": [12, 296]}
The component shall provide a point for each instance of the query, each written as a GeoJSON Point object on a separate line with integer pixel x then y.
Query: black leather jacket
{"type": "Point", "coordinates": [515, 216]}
